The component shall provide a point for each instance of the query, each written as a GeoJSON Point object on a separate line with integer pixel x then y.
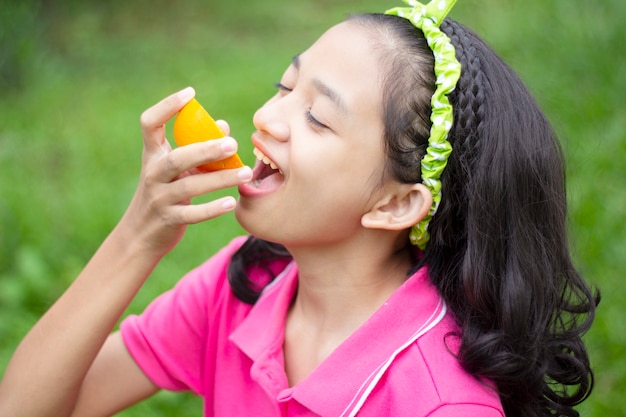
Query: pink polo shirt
{"type": "Point", "coordinates": [199, 337]}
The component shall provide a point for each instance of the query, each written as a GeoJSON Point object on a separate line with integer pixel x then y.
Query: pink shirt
{"type": "Point", "coordinates": [199, 337]}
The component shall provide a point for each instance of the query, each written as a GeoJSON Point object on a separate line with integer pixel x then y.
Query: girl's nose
{"type": "Point", "coordinates": [272, 119]}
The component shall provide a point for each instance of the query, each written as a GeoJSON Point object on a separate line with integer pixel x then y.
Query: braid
{"type": "Point", "coordinates": [469, 96]}
{"type": "Point", "coordinates": [500, 236]}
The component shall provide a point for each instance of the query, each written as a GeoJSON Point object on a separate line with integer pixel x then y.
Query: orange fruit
{"type": "Point", "coordinates": [194, 124]}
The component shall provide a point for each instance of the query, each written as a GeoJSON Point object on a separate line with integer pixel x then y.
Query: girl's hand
{"type": "Point", "coordinates": [161, 207]}
{"type": "Point", "coordinates": [68, 340]}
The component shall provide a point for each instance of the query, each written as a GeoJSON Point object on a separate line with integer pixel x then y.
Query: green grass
{"type": "Point", "coordinates": [75, 79]}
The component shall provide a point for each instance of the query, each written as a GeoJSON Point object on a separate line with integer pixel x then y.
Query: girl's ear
{"type": "Point", "coordinates": [400, 209]}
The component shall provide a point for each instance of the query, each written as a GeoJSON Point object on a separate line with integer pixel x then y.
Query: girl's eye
{"type": "Point", "coordinates": [314, 122]}
{"type": "Point", "coordinates": [283, 88]}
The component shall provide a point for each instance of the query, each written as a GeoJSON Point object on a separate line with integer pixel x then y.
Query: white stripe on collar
{"type": "Point", "coordinates": [368, 385]}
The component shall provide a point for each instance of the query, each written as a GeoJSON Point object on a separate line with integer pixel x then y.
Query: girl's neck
{"type": "Point", "coordinates": [339, 285]}
{"type": "Point", "coordinates": [337, 292]}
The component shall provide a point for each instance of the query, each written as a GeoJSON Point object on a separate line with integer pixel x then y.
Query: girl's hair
{"type": "Point", "coordinates": [498, 251]}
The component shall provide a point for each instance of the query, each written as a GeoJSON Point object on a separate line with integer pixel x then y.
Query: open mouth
{"type": "Point", "coordinates": [266, 174]}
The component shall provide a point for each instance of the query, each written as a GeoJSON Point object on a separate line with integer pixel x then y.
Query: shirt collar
{"type": "Point", "coordinates": [264, 327]}
{"type": "Point", "coordinates": [412, 310]}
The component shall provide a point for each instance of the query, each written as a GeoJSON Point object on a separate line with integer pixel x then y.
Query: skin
{"type": "Point", "coordinates": [361, 235]}
{"type": "Point", "coordinates": [350, 241]}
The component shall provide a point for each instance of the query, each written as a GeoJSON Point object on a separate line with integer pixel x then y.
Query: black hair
{"type": "Point", "coordinates": [499, 252]}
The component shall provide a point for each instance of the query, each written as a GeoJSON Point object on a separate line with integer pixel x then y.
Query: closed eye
{"type": "Point", "coordinates": [283, 88]}
{"type": "Point", "coordinates": [314, 122]}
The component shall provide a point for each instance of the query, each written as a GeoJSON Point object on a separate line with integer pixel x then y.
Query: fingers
{"type": "Point", "coordinates": [186, 188]}
{"type": "Point", "coordinates": [187, 157]}
{"type": "Point", "coordinates": [169, 178]}
{"type": "Point", "coordinates": [153, 120]}
{"type": "Point", "coordinates": [174, 198]}
{"type": "Point", "coordinates": [158, 154]}
{"type": "Point", "coordinates": [196, 213]}
{"type": "Point", "coordinates": [224, 126]}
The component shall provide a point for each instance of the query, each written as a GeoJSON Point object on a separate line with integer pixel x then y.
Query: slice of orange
{"type": "Point", "coordinates": [194, 124]}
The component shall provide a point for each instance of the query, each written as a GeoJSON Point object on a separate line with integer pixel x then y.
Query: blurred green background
{"type": "Point", "coordinates": [76, 75]}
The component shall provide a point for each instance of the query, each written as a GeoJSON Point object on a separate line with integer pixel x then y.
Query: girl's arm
{"type": "Point", "coordinates": [61, 367]}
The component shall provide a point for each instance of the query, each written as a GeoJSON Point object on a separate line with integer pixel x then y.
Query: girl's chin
{"type": "Point", "coordinates": [253, 224]}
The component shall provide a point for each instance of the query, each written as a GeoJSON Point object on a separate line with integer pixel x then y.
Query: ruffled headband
{"type": "Point", "coordinates": [428, 18]}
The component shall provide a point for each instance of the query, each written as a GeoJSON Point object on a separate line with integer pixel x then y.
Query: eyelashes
{"type": "Point", "coordinates": [309, 117]}
{"type": "Point", "coordinates": [313, 121]}
{"type": "Point", "coordinates": [282, 87]}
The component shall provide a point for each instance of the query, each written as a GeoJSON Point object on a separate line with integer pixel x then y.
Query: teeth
{"type": "Point", "coordinates": [267, 161]}
{"type": "Point", "coordinates": [261, 157]}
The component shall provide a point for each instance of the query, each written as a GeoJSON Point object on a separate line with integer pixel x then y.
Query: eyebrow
{"type": "Point", "coordinates": [323, 88]}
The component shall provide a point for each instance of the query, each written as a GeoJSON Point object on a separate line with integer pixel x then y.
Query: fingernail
{"type": "Point", "coordinates": [245, 173]}
{"type": "Point", "coordinates": [229, 145]}
{"type": "Point", "coordinates": [228, 203]}
{"type": "Point", "coordinates": [186, 94]}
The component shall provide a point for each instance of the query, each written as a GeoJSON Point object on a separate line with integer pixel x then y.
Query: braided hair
{"type": "Point", "coordinates": [498, 252]}
{"type": "Point", "coordinates": [525, 306]}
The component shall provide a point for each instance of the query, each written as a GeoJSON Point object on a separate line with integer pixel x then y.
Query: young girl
{"type": "Point", "coordinates": [384, 133]}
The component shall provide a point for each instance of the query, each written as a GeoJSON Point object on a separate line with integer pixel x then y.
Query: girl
{"type": "Point", "coordinates": [385, 132]}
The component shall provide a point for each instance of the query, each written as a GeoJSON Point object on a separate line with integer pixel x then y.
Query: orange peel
{"type": "Point", "coordinates": [194, 124]}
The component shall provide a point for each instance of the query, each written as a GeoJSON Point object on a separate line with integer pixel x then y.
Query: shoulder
{"type": "Point", "coordinates": [204, 285]}
{"type": "Point", "coordinates": [427, 380]}
{"type": "Point", "coordinates": [456, 390]}
{"type": "Point", "coordinates": [169, 339]}
{"type": "Point", "coordinates": [423, 376]}
{"type": "Point", "coordinates": [210, 277]}
{"type": "Point", "coordinates": [220, 260]}
{"type": "Point", "coordinates": [201, 287]}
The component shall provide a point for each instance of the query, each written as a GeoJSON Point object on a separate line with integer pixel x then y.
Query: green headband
{"type": "Point", "coordinates": [427, 18]}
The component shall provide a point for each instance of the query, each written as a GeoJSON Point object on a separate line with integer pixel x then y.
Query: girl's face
{"type": "Point", "coordinates": [320, 141]}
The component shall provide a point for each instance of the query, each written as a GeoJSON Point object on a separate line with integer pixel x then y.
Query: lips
{"type": "Point", "coordinates": [266, 177]}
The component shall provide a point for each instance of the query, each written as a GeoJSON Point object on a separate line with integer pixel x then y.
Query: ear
{"type": "Point", "coordinates": [400, 209]}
